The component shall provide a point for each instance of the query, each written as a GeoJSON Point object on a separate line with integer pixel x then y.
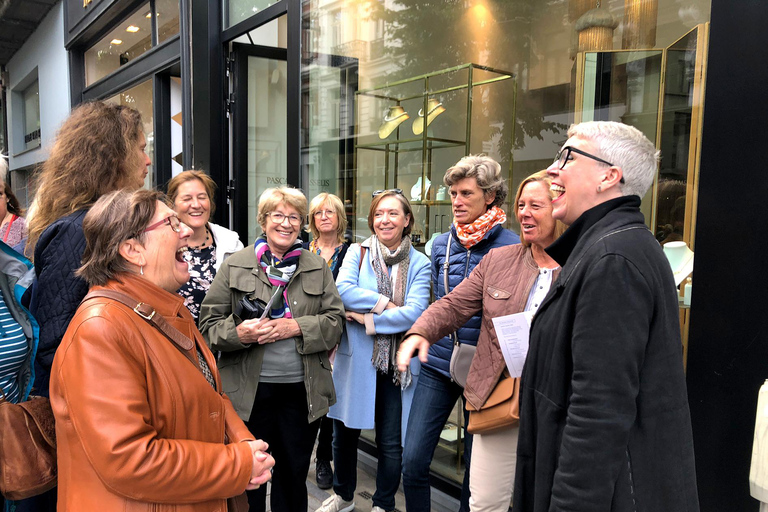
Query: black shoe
{"type": "Point", "coordinates": [323, 474]}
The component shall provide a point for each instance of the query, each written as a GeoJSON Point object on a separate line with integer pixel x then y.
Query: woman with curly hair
{"type": "Point", "coordinates": [100, 148]}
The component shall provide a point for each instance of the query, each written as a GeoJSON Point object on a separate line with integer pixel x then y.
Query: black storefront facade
{"type": "Point", "coordinates": [300, 92]}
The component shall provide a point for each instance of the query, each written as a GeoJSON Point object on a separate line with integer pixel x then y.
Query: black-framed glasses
{"type": "Point", "coordinates": [564, 156]}
{"type": "Point", "coordinates": [171, 220]}
{"type": "Point", "coordinates": [279, 218]}
{"type": "Point", "coordinates": [398, 191]}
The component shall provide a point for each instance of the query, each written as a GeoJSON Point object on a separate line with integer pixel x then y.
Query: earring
{"type": "Point", "coordinates": [599, 188]}
{"type": "Point", "coordinates": [141, 269]}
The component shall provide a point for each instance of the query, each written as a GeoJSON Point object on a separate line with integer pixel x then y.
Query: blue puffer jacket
{"type": "Point", "coordinates": [57, 292]}
{"type": "Point", "coordinates": [462, 261]}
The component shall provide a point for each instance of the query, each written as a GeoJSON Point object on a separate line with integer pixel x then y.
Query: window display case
{"type": "Point", "coordinates": [411, 131]}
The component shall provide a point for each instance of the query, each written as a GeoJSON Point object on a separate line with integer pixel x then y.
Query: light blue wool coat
{"type": "Point", "coordinates": [354, 376]}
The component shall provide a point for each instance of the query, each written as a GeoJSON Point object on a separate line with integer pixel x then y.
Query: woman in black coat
{"type": "Point", "coordinates": [604, 419]}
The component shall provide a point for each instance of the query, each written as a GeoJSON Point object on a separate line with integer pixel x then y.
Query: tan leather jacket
{"type": "Point", "coordinates": [499, 285]}
{"type": "Point", "coordinates": [139, 428]}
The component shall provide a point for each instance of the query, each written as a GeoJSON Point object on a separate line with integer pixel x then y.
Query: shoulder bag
{"type": "Point", "coordinates": [27, 448]}
{"type": "Point", "coordinates": [461, 357]}
{"type": "Point", "coordinates": [500, 411]}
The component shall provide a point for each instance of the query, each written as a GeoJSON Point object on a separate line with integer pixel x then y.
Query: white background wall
{"type": "Point", "coordinates": [45, 50]}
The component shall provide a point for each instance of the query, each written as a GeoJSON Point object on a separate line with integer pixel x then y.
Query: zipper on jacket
{"type": "Point", "coordinates": [466, 267]}
{"type": "Point", "coordinates": [631, 481]}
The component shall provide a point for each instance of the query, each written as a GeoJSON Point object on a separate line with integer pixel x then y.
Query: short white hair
{"type": "Point", "coordinates": [3, 169]}
{"type": "Point", "coordinates": [626, 147]}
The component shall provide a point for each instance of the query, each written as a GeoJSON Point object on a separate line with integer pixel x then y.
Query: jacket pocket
{"type": "Point", "coordinates": [242, 279]}
{"type": "Point", "coordinates": [497, 293]}
{"type": "Point", "coordinates": [229, 369]}
{"type": "Point", "coordinates": [312, 282]}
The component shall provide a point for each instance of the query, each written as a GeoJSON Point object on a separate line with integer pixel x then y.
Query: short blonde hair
{"type": "Point", "coordinates": [272, 197]}
{"type": "Point", "coordinates": [403, 202]}
{"type": "Point", "coordinates": [185, 176]}
{"type": "Point", "coordinates": [113, 219]}
{"type": "Point", "coordinates": [334, 202]}
{"type": "Point", "coordinates": [542, 177]}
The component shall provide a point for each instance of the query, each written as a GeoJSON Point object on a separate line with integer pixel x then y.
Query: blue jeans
{"type": "Point", "coordinates": [388, 415]}
{"type": "Point", "coordinates": [433, 401]}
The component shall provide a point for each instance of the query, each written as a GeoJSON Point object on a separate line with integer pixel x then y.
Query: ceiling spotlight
{"type": "Point", "coordinates": [148, 15]}
{"type": "Point", "coordinates": [116, 41]}
{"type": "Point", "coordinates": [132, 28]}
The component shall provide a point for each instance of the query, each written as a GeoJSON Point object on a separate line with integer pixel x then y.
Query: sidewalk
{"type": "Point", "coordinates": [366, 486]}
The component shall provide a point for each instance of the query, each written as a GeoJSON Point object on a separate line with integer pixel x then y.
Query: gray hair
{"type": "Point", "coordinates": [487, 173]}
{"type": "Point", "coordinates": [626, 147]}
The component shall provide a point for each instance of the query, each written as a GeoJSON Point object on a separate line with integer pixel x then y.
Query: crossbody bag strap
{"type": "Point", "coordinates": [363, 250]}
{"type": "Point", "coordinates": [148, 313]}
{"type": "Point", "coordinates": [446, 264]}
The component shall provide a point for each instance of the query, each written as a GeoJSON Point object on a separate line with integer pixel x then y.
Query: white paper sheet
{"type": "Point", "coordinates": [512, 332]}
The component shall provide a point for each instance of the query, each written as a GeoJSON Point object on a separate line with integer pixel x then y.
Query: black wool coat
{"type": "Point", "coordinates": [604, 419]}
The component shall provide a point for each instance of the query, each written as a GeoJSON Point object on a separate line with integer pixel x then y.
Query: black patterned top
{"type": "Point", "coordinates": [202, 270]}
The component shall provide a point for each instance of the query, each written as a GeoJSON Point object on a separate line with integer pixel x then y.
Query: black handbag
{"type": "Point", "coordinates": [248, 308]}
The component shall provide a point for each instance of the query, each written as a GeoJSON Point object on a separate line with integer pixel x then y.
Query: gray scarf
{"type": "Point", "coordinates": [385, 346]}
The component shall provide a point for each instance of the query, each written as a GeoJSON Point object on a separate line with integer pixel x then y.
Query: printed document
{"type": "Point", "coordinates": [512, 332]}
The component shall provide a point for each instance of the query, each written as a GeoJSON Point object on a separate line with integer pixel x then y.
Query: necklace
{"type": "Point", "coordinates": [205, 242]}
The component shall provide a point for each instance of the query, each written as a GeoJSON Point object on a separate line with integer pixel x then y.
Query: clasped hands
{"type": "Point", "coordinates": [267, 330]}
{"type": "Point", "coordinates": [353, 316]}
{"type": "Point", "coordinates": [263, 463]}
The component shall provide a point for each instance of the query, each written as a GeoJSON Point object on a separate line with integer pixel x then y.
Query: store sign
{"type": "Point", "coordinates": [32, 137]}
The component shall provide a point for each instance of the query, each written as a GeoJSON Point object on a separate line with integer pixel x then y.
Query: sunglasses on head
{"type": "Point", "coordinates": [383, 191]}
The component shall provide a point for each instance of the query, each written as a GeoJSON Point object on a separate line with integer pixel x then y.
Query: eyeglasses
{"type": "Point", "coordinates": [564, 156]}
{"type": "Point", "coordinates": [328, 213]}
{"type": "Point", "coordinates": [171, 220]}
{"type": "Point", "coordinates": [279, 218]}
{"type": "Point", "coordinates": [383, 191]}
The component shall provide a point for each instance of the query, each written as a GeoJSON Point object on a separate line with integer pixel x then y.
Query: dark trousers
{"type": "Point", "coordinates": [433, 400]}
{"type": "Point", "coordinates": [325, 439]}
{"type": "Point", "coordinates": [388, 415]}
{"type": "Point", "coordinates": [279, 417]}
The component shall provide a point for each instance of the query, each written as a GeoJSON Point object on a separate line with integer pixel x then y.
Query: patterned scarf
{"type": "Point", "coordinates": [471, 234]}
{"type": "Point", "coordinates": [385, 346]}
{"type": "Point", "coordinates": [278, 272]}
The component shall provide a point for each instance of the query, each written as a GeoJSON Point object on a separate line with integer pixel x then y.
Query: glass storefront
{"type": "Point", "coordinates": [396, 91]}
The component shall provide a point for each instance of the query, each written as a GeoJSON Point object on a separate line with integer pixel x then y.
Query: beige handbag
{"type": "Point", "coordinates": [500, 411]}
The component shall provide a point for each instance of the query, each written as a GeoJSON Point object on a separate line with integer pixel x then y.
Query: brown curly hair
{"type": "Point", "coordinates": [94, 153]}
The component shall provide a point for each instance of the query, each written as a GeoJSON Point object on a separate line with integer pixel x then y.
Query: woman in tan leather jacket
{"type": "Point", "coordinates": [141, 419]}
{"type": "Point", "coordinates": [507, 280]}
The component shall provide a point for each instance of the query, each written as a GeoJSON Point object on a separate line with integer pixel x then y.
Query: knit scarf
{"type": "Point", "coordinates": [471, 234]}
{"type": "Point", "coordinates": [279, 272]}
{"type": "Point", "coordinates": [385, 346]}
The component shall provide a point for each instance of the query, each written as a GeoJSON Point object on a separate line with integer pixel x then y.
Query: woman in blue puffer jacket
{"type": "Point", "coordinates": [477, 189]}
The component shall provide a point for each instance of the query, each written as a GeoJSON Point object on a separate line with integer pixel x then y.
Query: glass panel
{"type": "Point", "coordinates": [675, 139]}
{"type": "Point", "coordinates": [167, 12]}
{"type": "Point", "coordinates": [267, 107]}
{"type": "Point", "coordinates": [128, 40]}
{"type": "Point", "coordinates": [140, 98]}
{"type": "Point", "coordinates": [31, 97]}
{"type": "Point", "coordinates": [236, 11]}
{"type": "Point", "coordinates": [624, 87]}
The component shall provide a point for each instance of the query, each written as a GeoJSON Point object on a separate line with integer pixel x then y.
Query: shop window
{"type": "Point", "coordinates": [167, 13]}
{"type": "Point", "coordinates": [131, 38]}
{"type": "Point", "coordinates": [25, 127]}
{"type": "Point", "coordinates": [140, 98]}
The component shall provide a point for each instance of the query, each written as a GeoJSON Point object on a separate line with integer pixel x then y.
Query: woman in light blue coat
{"type": "Point", "coordinates": [384, 285]}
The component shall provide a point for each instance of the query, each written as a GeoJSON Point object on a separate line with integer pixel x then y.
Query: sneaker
{"type": "Point", "coordinates": [336, 504]}
{"type": "Point", "coordinates": [323, 474]}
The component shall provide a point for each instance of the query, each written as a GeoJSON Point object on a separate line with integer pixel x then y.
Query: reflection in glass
{"type": "Point", "coordinates": [128, 40]}
{"type": "Point", "coordinates": [140, 98]}
{"type": "Point", "coordinates": [267, 131]}
{"type": "Point", "coordinates": [236, 11]}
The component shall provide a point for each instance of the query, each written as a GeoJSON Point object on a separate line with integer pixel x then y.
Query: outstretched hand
{"type": "Point", "coordinates": [408, 347]}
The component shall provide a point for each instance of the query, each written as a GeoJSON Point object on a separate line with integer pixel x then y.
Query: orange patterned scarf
{"type": "Point", "coordinates": [471, 234]}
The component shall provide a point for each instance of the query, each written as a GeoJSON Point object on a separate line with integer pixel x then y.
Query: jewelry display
{"type": "Point", "coordinates": [680, 258]}
{"type": "Point", "coordinates": [434, 109]}
{"type": "Point", "coordinates": [393, 117]}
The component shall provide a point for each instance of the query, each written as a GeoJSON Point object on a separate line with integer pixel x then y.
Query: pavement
{"type": "Point", "coordinates": [366, 486]}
